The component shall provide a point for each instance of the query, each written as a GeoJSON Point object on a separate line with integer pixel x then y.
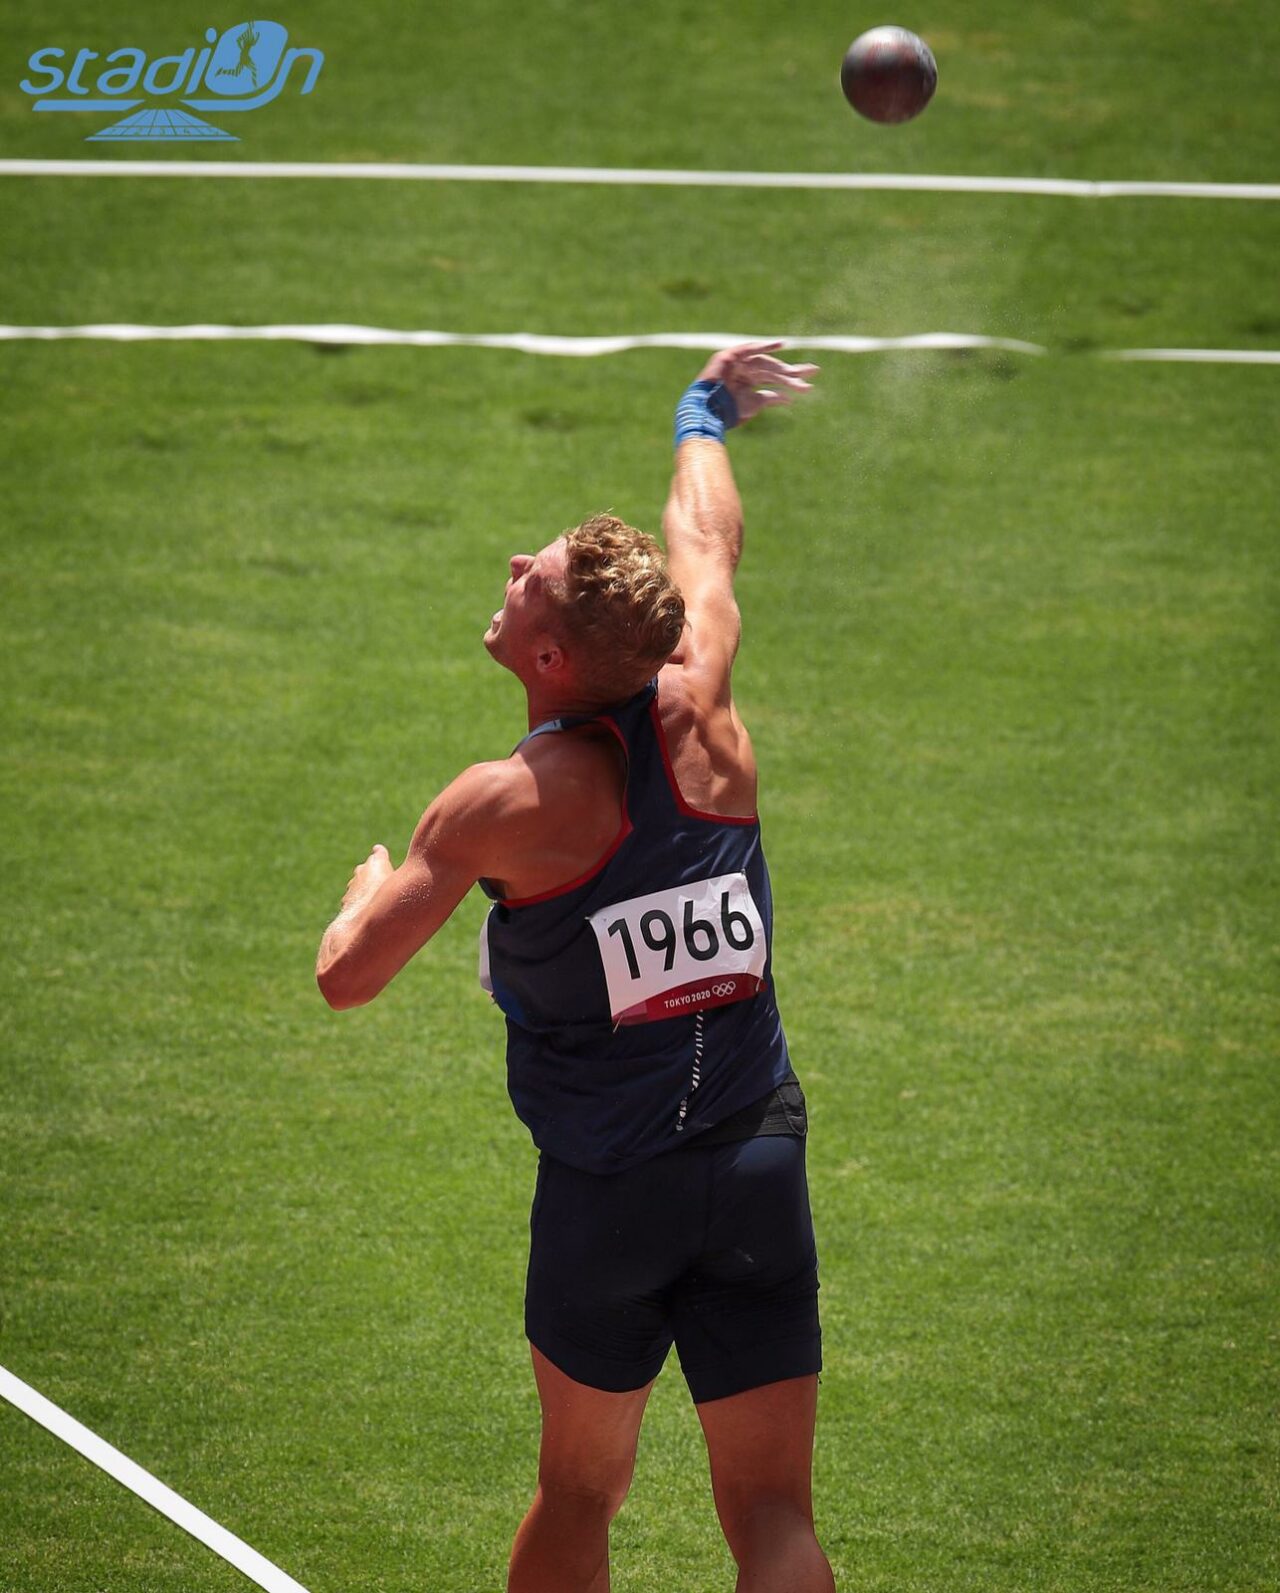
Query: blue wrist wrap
{"type": "Point", "coordinates": [706, 409]}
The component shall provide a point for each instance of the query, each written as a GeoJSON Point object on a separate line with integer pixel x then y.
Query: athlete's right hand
{"type": "Point", "coordinates": [755, 378]}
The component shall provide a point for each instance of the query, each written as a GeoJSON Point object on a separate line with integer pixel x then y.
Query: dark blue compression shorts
{"type": "Point", "coordinates": [707, 1247]}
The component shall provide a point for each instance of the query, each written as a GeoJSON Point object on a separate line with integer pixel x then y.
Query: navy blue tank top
{"type": "Point", "coordinates": [639, 997]}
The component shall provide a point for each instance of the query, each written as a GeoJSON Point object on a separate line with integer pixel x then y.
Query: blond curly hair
{"type": "Point", "coordinates": [620, 610]}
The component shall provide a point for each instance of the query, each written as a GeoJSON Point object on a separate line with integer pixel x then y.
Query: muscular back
{"type": "Point", "coordinates": [566, 790]}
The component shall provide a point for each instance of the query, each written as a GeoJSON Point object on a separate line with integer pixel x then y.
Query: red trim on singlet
{"type": "Point", "coordinates": [687, 808]}
{"type": "Point", "coordinates": [623, 831]}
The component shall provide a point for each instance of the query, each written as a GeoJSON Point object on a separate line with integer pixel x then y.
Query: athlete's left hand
{"type": "Point", "coordinates": [367, 878]}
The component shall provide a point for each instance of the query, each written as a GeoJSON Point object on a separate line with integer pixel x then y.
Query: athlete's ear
{"type": "Point", "coordinates": [549, 658]}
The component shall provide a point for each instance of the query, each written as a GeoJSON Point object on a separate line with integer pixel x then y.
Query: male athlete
{"type": "Point", "coordinates": [628, 945]}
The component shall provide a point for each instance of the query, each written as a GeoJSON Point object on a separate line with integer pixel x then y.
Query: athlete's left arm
{"type": "Point", "coordinates": [390, 913]}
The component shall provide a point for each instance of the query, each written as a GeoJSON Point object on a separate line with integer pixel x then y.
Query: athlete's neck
{"type": "Point", "coordinates": [544, 707]}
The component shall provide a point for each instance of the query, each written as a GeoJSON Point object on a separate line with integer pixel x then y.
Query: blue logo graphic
{"type": "Point", "coordinates": [239, 70]}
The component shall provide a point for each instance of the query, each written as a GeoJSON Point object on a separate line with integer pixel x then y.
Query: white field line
{"type": "Point", "coordinates": [631, 177]}
{"type": "Point", "coordinates": [521, 342]}
{"type": "Point", "coordinates": [1199, 356]}
{"type": "Point", "coordinates": [237, 1553]}
{"type": "Point", "coordinates": [342, 336]}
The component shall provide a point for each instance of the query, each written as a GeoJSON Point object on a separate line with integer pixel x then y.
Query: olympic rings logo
{"type": "Point", "coordinates": [724, 989]}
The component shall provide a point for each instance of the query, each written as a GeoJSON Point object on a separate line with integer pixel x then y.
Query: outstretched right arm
{"type": "Point", "coordinates": [702, 522]}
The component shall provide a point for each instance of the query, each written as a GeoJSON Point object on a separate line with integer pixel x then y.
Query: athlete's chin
{"type": "Point", "coordinates": [494, 647]}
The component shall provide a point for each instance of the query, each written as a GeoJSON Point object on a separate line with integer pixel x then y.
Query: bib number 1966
{"type": "Point", "coordinates": [681, 950]}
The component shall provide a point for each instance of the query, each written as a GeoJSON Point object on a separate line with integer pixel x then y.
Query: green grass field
{"type": "Point", "coordinates": [1010, 667]}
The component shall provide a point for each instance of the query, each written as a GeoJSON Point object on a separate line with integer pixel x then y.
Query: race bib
{"type": "Point", "coordinates": [681, 950]}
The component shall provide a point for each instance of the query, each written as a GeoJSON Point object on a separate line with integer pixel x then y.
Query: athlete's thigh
{"type": "Point", "coordinates": [761, 1447]}
{"type": "Point", "coordinates": [589, 1436]}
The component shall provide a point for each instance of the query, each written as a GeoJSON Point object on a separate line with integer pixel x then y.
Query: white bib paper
{"type": "Point", "coordinates": [681, 950]}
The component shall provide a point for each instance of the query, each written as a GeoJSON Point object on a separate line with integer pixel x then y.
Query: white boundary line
{"type": "Point", "coordinates": [237, 1553]}
{"type": "Point", "coordinates": [342, 336]}
{"type": "Point", "coordinates": [633, 177]}
{"type": "Point", "coordinates": [521, 342]}
{"type": "Point", "coordinates": [1198, 356]}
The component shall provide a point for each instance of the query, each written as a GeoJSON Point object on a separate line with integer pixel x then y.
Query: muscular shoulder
{"type": "Point", "coordinates": [550, 810]}
{"type": "Point", "coordinates": [463, 822]}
